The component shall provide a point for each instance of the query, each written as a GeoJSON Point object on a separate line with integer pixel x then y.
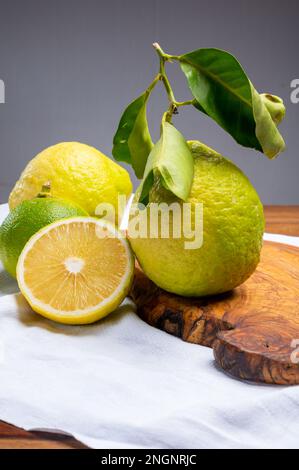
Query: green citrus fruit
{"type": "Point", "coordinates": [77, 172]}
{"type": "Point", "coordinates": [233, 225]}
{"type": "Point", "coordinates": [27, 219]}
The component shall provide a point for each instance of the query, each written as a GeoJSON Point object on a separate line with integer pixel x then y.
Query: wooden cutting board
{"type": "Point", "coordinates": [252, 329]}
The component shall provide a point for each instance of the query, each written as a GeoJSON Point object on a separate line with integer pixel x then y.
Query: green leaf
{"type": "Point", "coordinates": [199, 107]}
{"type": "Point", "coordinates": [172, 160]}
{"type": "Point", "coordinates": [266, 131]}
{"type": "Point", "coordinates": [275, 106]}
{"type": "Point", "coordinates": [224, 92]}
{"type": "Point", "coordinates": [132, 142]}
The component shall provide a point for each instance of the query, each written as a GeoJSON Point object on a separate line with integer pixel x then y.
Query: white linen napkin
{"type": "Point", "coordinates": [122, 384]}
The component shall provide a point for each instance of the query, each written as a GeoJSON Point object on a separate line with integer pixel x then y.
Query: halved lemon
{"type": "Point", "coordinates": [76, 270]}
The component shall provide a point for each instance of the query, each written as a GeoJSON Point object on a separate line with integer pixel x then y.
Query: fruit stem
{"type": "Point", "coordinates": [163, 77]}
{"type": "Point", "coordinates": [173, 103]}
{"type": "Point", "coordinates": [45, 190]}
{"type": "Point", "coordinates": [167, 57]}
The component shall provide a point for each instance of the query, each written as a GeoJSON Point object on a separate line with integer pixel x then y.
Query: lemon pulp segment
{"type": "Point", "coordinates": [76, 270]}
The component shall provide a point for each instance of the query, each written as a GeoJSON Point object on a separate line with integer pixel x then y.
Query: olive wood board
{"type": "Point", "coordinates": [252, 329]}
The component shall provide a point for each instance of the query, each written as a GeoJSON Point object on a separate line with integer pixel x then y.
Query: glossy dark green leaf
{"type": "Point", "coordinates": [172, 160]}
{"type": "Point", "coordinates": [132, 142]}
{"type": "Point", "coordinates": [224, 92]}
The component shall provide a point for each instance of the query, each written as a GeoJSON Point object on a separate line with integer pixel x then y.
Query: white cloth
{"type": "Point", "coordinates": [122, 384]}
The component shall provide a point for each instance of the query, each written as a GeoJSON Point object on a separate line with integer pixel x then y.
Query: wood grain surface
{"type": "Point", "coordinates": [279, 219]}
{"type": "Point", "coordinates": [251, 329]}
{"type": "Point", "coordinates": [282, 219]}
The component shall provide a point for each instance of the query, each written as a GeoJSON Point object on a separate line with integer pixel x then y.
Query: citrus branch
{"type": "Point", "coordinates": [173, 103]}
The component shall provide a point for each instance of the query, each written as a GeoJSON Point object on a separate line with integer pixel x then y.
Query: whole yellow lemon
{"type": "Point", "coordinates": [77, 172]}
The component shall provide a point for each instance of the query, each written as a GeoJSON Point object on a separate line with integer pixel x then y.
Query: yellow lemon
{"type": "Point", "coordinates": [76, 270]}
{"type": "Point", "coordinates": [77, 172]}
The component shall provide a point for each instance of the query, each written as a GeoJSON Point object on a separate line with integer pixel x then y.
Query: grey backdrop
{"type": "Point", "coordinates": [71, 66]}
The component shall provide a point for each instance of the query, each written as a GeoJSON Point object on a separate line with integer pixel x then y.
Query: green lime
{"type": "Point", "coordinates": [27, 219]}
{"type": "Point", "coordinates": [233, 225]}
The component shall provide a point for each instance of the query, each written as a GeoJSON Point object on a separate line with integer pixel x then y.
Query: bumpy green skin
{"type": "Point", "coordinates": [233, 226]}
{"type": "Point", "coordinates": [25, 220]}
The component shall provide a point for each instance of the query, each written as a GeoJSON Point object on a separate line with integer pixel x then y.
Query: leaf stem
{"type": "Point", "coordinates": [185, 103]}
{"type": "Point", "coordinates": [153, 84]}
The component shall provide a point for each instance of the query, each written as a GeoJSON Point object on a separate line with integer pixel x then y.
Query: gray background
{"type": "Point", "coordinates": [71, 66]}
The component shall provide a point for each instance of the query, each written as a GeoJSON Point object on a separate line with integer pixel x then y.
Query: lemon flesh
{"type": "Point", "coordinates": [77, 172]}
{"type": "Point", "coordinates": [233, 225]}
{"type": "Point", "coordinates": [76, 270]}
